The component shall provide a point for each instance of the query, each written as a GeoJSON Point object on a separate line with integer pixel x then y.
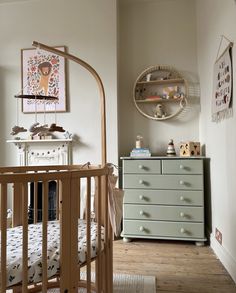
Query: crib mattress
{"type": "Point", "coordinates": [14, 250]}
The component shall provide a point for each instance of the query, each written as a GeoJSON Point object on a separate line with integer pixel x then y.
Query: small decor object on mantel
{"type": "Point", "coordinates": [171, 148]}
{"type": "Point", "coordinates": [190, 148]}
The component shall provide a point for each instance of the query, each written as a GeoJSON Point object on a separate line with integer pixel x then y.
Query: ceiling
{"type": "Point", "coordinates": [12, 1]}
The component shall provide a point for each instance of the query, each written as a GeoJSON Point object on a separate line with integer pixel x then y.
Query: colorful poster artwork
{"type": "Point", "coordinates": [43, 73]}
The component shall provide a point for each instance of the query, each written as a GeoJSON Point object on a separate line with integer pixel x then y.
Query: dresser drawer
{"type": "Point", "coordinates": [141, 181]}
{"type": "Point", "coordinates": [163, 229]}
{"type": "Point", "coordinates": [163, 213]}
{"type": "Point", "coordinates": [142, 166]}
{"type": "Point", "coordinates": [168, 197]}
{"type": "Point", "coordinates": [182, 166]}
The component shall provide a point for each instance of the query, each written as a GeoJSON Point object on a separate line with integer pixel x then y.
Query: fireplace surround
{"type": "Point", "coordinates": [43, 152]}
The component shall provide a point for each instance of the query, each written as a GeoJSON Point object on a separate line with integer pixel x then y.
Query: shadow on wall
{"type": "Point", "coordinates": [207, 198]}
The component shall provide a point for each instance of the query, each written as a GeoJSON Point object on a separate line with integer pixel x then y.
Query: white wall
{"type": "Point", "coordinates": [89, 30]}
{"type": "Point", "coordinates": [151, 33]}
{"type": "Point", "coordinates": [216, 18]}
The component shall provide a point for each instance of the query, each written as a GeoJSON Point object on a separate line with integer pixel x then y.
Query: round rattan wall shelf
{"type": "Point", "coordinates": [160, 93]}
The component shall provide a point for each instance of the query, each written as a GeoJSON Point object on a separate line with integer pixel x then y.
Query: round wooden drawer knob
{"type": "Point", "coordinates": [182, 198]}
{"type": "Point", "coordinates": [141, 228]}
{"type": "Point", "coordinates": [141, 213]}
{"type": "Point", "coordinates": [181, 182]}
{"type": "Point", "coordinates": [182, 230]}
{"type": "Point", "coordinates": [140, 166]}
{"type": "Point", "coordinates": [141, 181]}
{"type": "Point", "coordinates": [181, 167]}
{"type": "Point", "coordinates": [182, 215]}
{"type": "Point", "coordinates": [141, 197]}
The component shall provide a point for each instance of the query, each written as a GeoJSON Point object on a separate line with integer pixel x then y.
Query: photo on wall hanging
{"type": "Point", "coordinates": [43, 73]}
{"type": "Point", "coordinates": [222, 86]}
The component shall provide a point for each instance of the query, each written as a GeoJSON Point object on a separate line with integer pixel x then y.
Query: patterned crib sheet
{"type": "Point", "coordinates": [14, 250]}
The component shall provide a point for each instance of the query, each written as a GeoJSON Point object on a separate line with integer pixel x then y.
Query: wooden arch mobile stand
{"type": "Point", "coordinates": [100, 86]}
{"type": "Point", "coordinates": [107, 260]}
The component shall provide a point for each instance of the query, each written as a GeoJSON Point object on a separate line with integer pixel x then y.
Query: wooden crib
{"type": "Point", "coordinates": [32, 259]}
{"type": "Point", "coordinates": [68, 182]}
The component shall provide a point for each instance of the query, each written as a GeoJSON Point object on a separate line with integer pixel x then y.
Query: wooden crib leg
{"type": "Point", "coordinates": [110, 261]}
{"type": "Point", "coordinates": [16, 290]}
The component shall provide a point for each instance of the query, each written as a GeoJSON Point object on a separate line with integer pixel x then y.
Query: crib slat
{"type": "Point", "coordinates": [57, 200]}
{"type": "Point", "coordinates": [106, 221]}
{"type": "Point", "coordinates": [98, 215]}
{"type": "Point", "coordinates": [75, 196]}
{"type": "Point", "coordinates": [109, 239]}
{"type": "Point", "coordinates": [65, 235]}
{"type": "Point", "coordinates": [110, 258]}
{"type": "Point", "coordinates": [35, 207]}
{"type": "Point", "coordinates": [25, 237]}
{"type": "Point", "coordinates": [17, 204]}
{"type": "Point", "coordinates": [88, 233]}
{"type": "Point", "coordinates": [45, 236]}
{"type": "Point", "coordinates": [78, 216]}
{"type": "Point", "coordinates": [3, 235]}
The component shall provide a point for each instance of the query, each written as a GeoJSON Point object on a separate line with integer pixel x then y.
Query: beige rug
{"type": "Point", "coordinates": [124, 283]}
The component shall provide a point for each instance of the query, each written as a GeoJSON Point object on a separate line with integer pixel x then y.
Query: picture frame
{"type": "Point", "coordinates": [43, 73]}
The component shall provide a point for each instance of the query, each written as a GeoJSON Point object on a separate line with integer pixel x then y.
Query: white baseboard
{"type": "Point", "coordinates": [224, 256]}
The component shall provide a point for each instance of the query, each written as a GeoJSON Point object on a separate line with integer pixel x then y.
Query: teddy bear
{"type": "Point", "coordinates": [159, 111]}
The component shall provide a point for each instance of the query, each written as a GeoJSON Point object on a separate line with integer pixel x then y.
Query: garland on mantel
{"type": "Point", "coordinates": [57, 150]}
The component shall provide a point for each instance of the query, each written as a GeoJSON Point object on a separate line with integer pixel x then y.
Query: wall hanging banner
{"type": "Point", "coordinates": [222, 86]}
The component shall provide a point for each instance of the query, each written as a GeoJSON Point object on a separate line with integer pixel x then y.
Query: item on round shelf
{"type": "Point", "coordinates": [171, 148]}
{"type": "Point", "coordinates": [153, 98]}
{"type": "Point", "coordinates": [159, 111]}
{"type": "Point", "coordinates": [139, 142]}
{"type": "Point", "coordinates": [148, 77]}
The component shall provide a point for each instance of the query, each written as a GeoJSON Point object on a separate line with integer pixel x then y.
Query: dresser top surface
{"type": "Point", "coordinates": [164, 158]}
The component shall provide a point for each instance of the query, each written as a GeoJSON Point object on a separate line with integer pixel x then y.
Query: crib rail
{"type": "Point", "coordinates": [15, 183]}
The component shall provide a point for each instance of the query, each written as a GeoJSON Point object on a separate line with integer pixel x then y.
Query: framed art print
{"type": "Point", "coordinates": [43, 73]}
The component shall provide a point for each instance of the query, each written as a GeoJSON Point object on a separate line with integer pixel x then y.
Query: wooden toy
{"type": "Point", "coordinates": [190, 148]}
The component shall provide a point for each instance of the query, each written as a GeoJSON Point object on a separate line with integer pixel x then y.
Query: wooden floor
{"type": "Point", "coordinates": [178, 266]}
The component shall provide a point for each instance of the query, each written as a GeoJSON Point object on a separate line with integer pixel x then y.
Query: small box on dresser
{"type": "Point", "coordinates": [164, 198]}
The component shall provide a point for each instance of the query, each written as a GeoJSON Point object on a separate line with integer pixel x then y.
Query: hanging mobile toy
{"type": "Point", "coordinates": [54, 126]}
{"type": "Point", "coordinates": [17, 129]}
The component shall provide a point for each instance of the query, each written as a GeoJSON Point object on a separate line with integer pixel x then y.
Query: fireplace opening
{"type": "Point", "coordinates": [51, 201]}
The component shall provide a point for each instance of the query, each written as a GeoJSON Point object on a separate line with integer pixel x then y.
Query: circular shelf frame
{"type": "Point", "coordinates": [178, 78]}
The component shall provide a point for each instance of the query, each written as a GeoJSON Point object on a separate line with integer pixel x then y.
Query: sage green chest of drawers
{"type": "Point", "coordinates": [164, 198]}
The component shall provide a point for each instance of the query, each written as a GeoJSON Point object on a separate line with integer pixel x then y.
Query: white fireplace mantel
{"type": "Point", "coordinates": [43, 151]}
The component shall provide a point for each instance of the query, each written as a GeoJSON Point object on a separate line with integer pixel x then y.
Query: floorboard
{"type": "Point", "coordinates": [178, 266]}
